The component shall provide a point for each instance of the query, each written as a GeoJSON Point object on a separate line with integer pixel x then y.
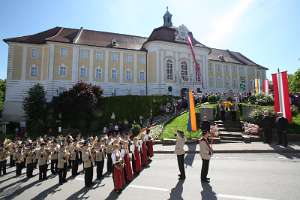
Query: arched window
{"type": "Point", "coordinates": [184, 71]}
{"type": "Point", "coordinates": [169, 70]}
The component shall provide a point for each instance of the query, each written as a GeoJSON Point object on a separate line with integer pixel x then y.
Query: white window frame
{"type": "Point", "coordinates": [85, 72]}
{"type": "Point", "coordinates": [34, 53]}
{"type": "Point", "coordinates": [62, 71]}
{"type": "Point", "coordinates": [115, 56]}
{"type": "Point", "coordinates": [63, 52]}
{"type": "Point", "coordinates": [99, 56]}
{"type": "Point", "coordinates": [184, 70]}
{"type": "Point", "coordinates": [34, 66]}
{"type": "Point", "coordinates": [169, 69]}
{"type": "Point", "coordinates": [128, 75]}
{"type": "Point", "coordinates": [142, 78]}
{"type": "Point", "coordinates": [114, 74]}
{"type": "Point", "coordinates": [98, 70]}
{"type": "Point", "coordinates": [129, 58]}
{"type": "Point", "coordinates": [83, 54]}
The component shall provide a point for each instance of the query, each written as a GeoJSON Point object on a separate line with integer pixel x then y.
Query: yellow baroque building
{"type": "Point", "coordinates": [121, 64]}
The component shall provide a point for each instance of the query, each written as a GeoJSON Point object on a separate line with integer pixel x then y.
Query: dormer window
{"type": "Point", "coordinates": [114, 43]}
{"type": "Point", "coordinates": [221, 57]}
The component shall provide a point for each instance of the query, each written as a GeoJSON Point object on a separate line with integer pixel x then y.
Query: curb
{"type": "Point", "coordinates": [235, 151]}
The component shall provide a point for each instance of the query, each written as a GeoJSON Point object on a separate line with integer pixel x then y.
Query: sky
{"type": "Point", "coordinates": [266, 31]}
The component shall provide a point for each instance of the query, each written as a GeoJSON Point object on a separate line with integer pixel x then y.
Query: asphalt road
{"type": "Point", "coordinates": [233, 176]}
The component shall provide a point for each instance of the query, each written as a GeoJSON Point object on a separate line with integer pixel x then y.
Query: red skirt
{"type": "Point", "coordinates": [128, 169]}
{"type": "Point", "coordinates": [118, 177]}
{"type": "Point", "coordinates": [150, 148]}
{"type": "Point", "coordinates": [144, 154]}
{"type": "Point", "coordinates": [137, 161]}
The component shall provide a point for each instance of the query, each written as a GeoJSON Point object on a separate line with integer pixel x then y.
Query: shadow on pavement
{"type": "Point", "coordinates": [176, 192]}
{"type": "Point", "coordinates": [189, 158]}
{"type": "Point", "coordinates": [207, 192]}
{"type": "Point", "coordinates": [285, 151]}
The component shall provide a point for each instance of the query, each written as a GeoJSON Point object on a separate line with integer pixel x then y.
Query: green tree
{"type": "Point", "coordinates": [2, 93]}
{"type": "Point", "coordinates": [294, 81]}
{"type": "Point", "coordinates": [79, 106]}
{"type": "Point", "coordinates": [35, 107]}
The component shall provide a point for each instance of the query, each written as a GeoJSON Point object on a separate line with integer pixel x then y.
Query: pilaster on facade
{"type": "Point", "coordinates": [135, 71]}
{"type": "Point", "coordinates": [106, 54]}
{"type": "Point", "coordinates": [51, 62]}
{"type": "Point", "coordinates": [121, 66]}
{"type": "Point", "coordinates": [24, 60]}
{"type": "Point", "coordinates": [157, 66]}
{"type": "Point", "coordinates": [91, 66]}
{"type": "Point", "coordinates": [75, 63]}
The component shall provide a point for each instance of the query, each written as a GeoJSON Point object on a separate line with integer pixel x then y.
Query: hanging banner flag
{"type": "Point", "coordinates": [197, 66]}
{"type": "Point", "coordinates": [281, 94]}
{"type": "Point", "coordinates": [265, 87]}
{"type": "Point", "coordinates": [256, 86]}
{"type": "Point", "coordinates": [192, 126]}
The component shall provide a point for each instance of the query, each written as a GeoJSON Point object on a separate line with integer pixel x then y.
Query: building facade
{"type": "Point", "coordinates": [121, 64]}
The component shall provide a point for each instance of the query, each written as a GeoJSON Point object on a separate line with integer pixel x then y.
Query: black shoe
{"type": "Point", "coordinates": [181, 178]}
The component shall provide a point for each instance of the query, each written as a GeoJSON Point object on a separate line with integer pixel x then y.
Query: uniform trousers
{"type": "Point", "coordinates": [88, 176]}
{"type": "Point", "coordinates": [204, 169]}
{"type": "Point", "coordinates": [54, 166]}
{"type": "Point", "coordinates": [29, 170]}
{"type": "Point", "coordinates": [180, 160]}
{"type": "Point", "coordinates": [62, 173]}
{"type": "Point", "coordinates": [19, 167]}
{"type": "Point", "coordinates": [109, 163]}
{"type": "Point", "coordinates": [99, 165]}
{"type": "Point", "coordinates": [74, 167]}
{"type": "Point", "coordinates": [3, 167]}
{"type": "Point", "coordinates": [43, 172]}
{"type": "Point", "coordinates": [282, 138]}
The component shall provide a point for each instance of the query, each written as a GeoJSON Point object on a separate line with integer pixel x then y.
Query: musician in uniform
{"type": "Point", "coordinates": [87, 160]}
{"type": "Point", "coordinates": [109, 149]}
{"type": "Point", "coordinates": [99, 153]}
{"type": "Point", "coordinates": [3, 156]}
{"type": "Point", "coordinates": [136, 159]}
{"type": "Point", "coordinates": [149, 144]}
{"type": "Point", "coordinates": [126, 157]}
{"type": "Point", "coordinates": [19, 160]}
{"type": "Point", "coordinates": [144, 156]}
{"type": "Point", "coordinates": [53, 157]}
{"type": "Point", "coordinates": [42, 156]}
{"type": "Point", "coordinates": [74, 158]}
{"type": "Point", "coordinates": [118, 169]}
{"type": "Point", "coordinates": [63, 157]}
{"type": "Point", "coordinates": [179, 150]}
{"type": "Point", "coordinates": [29, 160]}
{"type": "Point", "coordinates": [205, 153]}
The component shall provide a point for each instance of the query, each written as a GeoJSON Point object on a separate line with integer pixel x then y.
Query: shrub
{"type": "Point", "coordinates": [135, 129]}
{"type": "Point", "coordinates": [212, 99]}
{"type": "Point", "coordinates": [257, 115]}
{"type": "Point", "coordinates": [252, 99]}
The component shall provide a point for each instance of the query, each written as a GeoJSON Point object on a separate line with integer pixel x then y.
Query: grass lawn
{"type": "Point", "coordinates": [295, 126]}
{"type": "Point", "coordinates": [179, 123]}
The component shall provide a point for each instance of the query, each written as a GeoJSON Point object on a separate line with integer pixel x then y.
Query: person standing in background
{"type": "Point", "coordinates": [281, 125]}
{"type": "Point", "coordinates": [179, 150]}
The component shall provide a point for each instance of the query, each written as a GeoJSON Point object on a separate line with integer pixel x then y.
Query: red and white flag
{"type": "Point", "coordinates": [281, 94]}
{"type": "Point", "coordinates": [265, 87]}
{"type": "Point", "coordinates": [197, 66]}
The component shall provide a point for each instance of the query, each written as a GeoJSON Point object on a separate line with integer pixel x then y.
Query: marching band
{"type": "Point", "coordinates": [125, 156]}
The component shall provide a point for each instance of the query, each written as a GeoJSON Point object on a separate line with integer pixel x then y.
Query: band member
{"type": "Point", "coordinates": [54, 157]}
{"type": "Point", "coordinates": [63, 157]}
{"type": "Point", "coordinates": [205, 153]}
{"type": "Point", "coordinates": [99, 158]}
{"type": "Point", "coordinates": [144, 155]}
{"type": "Point", "coordinates": [281, 125]}
{"type": "Point", "coordinates": [74, 158]}
{"type": "Point", "coordinates": [118, 167]}
{"type": "Point", "coordinates": [87, 160]}
{"type": "Point", "coordinates": [29, 160]}
{"type": "Point", "coordinates": [126, 157]}
{"type": "Point", "coordinates": [12, 157]}
{"type": "Point", "coordinates": [19, 160]}
{"type": "Point", "coordinates": [149, 144]}
{"type": "Point", "coordinates": [3, 156]}
{"type": "Point", "coordinates": [179, 150]}
{"type": "Point", "coordinates": [109, 149]}
{"type": "Point", "coordinates": [42, 155]}
{"type": "Point", "coordinates": [136, 159]}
